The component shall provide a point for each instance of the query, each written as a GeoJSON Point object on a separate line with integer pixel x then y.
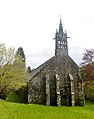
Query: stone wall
{"type": "Point", "coordinates": [45, 88]}
{"type": "Point", "coordinates": [37, 89]}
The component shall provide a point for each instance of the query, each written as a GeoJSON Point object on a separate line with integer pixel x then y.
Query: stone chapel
{"type": "Point", "coordinates": [57, 81]}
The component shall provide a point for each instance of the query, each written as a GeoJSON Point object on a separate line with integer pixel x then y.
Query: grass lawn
{"type": "Point", "coordinates": [10, 110]}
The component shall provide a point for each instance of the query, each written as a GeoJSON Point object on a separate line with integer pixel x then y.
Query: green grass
{"type": "Point", "coordinates": [10, 110]}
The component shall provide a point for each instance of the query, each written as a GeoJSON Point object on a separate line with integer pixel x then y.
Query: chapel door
{"type": "Point", "coordinates": [64, 100]}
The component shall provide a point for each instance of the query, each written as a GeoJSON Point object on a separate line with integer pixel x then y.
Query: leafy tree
{"type": "Point", "coordinates": [90, 91]}
{"type": "Point", "coordinates": [20, 53]}
{"type": "Point", "coordinates": [7, 55]}
{"type": "Point", "coordinates": [13, 77]}
{"type": "Point", "coordinates": [87, 73]}
{"type": "Point", "coordinates": [12, 72]}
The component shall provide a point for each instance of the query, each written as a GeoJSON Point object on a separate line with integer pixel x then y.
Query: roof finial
{"type": "Point", "coordinates": [60, 26]}
{"type": "Point", "coordinates": [60, 16]}
{"type": "Point", "coordinates": [60, 20]}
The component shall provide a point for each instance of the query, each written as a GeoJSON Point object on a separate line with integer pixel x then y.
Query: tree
{"type": "Point", "coordinates": [87, 73]}
{"type": "Point", "coordinates": [12, 72]}
{"type": "Point", "coordinates": [88, 56]}
{"type": "Point", "coordinates": [7, 55]}
{"type": "Point", "coordinates": [90, 91]}
{"type": "Point", "coordinates": [20, 53]}
{"type": "Point", "coordinates": [29, 69]}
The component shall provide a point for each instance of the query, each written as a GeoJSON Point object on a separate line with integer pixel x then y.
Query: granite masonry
{"type": "Point", "coordinates": [57, 81]}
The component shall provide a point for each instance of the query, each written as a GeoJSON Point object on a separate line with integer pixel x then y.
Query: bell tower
{"type": "Point", "coordinates": [61, 45]}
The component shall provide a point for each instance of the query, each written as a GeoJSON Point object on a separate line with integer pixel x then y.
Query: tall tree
{"type": "Point", "coordinates": [87, 73]}
{"type": "Point", "coordinates": [12, 72]}
{"type": "Point", "coordinates": [20, 53]}
{"type": "Point", "coordinates": [13, 77]}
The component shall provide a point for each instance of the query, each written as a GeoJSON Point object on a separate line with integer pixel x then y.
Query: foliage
{"type": "Point", "coordinates": [23, 93]}
{"type": "Point", "coordinates": [31, 111]}
{"type": "Point", "coordinates": [18, 96]}
{"type": "Point", "coordinates": [7, 55]}
{"type": "Point", "coordinates": [14, 76]}
{"type": "Point", "coordinates": [20, 53]}
{"type": "Point", "coordinates": [14, 97]}
{"type": "Point", "coordinates": [87, 74]}
{"type": "Point", "coordinates": [88, 57]}
{"type": "Point", "coordinates": [90, 90]}
{"type": "Point", "coordinates": [12, 72]}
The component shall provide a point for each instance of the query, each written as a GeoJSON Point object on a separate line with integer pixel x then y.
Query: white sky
{"type": "Point", "coordinates": [31, 24]}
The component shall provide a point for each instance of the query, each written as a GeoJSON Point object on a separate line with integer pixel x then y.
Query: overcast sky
{"type": "Point", "coordinates": [32, 24]}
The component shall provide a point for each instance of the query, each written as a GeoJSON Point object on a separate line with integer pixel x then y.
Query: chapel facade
{"type": "Point", "coordinates": [57, 81]}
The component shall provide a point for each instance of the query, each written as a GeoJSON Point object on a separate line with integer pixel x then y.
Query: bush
{"type": "Point", "coordinates": [89, 91]}
{"type": "Point", "coordinates": [14, 97]}
{"type": "Point", "coordinates": [19, 96]}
